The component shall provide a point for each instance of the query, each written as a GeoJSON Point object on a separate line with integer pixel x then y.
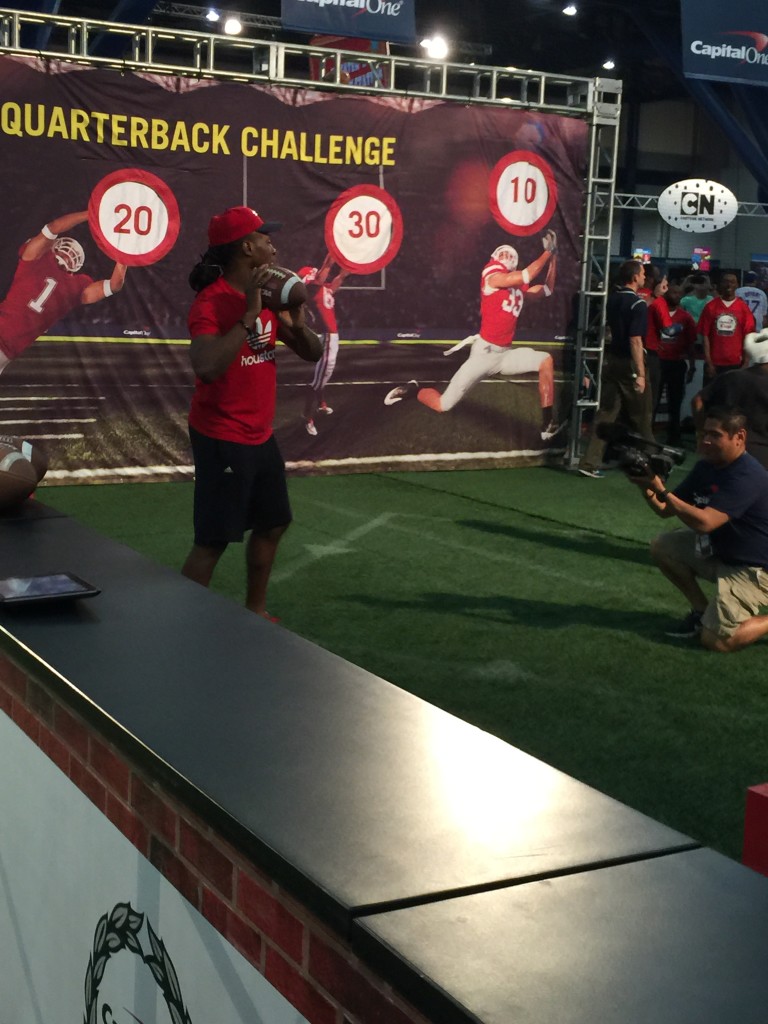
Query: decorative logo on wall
{"type": "Point", "coordinates": [698, 205]}
{"type": "Point", "coordinates": [110, 982]}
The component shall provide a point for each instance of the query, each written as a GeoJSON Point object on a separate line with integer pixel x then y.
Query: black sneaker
{"type": "Point", "coordinates": [689, 627]}
{"type": "Point", "coordinates": [403, 391]}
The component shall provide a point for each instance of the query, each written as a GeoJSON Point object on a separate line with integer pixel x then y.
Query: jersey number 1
{"type": "Point", "coordinates": [38, 304]}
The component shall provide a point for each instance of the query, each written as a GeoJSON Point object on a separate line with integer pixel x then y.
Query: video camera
{"type": "Point", "coordinates": [636, 455]}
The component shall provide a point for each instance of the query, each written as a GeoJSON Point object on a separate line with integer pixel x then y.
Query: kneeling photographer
{"type": "Point", "coordinates": [723, 505]}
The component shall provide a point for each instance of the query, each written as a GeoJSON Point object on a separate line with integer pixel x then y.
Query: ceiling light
{"type": "Point", "coordinates": [570, 10]}
{"type": "Point", "coordinates": [212, 14]}
{"type": "Point", "coordinates": [609, 64]}
{"type": "Point", "coordinates": [233, 26]}
{"type": "Point", "coordinates": [436, 47]}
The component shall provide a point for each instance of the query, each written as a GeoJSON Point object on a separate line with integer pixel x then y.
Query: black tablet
{"type": "Point", "coordinates": [53, 586]}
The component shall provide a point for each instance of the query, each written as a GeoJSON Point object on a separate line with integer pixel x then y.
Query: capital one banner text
{"type": "Point", "coordinates": [409, 198]}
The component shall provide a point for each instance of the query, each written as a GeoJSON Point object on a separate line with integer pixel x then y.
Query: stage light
{"type": "Point", "coordinates": [212, 14]}
{"type": "Point", "coordinates": [570, 10]}
{"type": "Point", "coordinates": [233, 26]}
{"type": "Point", "coordinates": [436, 47]}
{"type": "Point", "coordinates": [609, 64]}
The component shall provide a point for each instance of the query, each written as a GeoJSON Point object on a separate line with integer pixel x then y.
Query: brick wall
{"type": "Point", "coordinates": [306, 962]}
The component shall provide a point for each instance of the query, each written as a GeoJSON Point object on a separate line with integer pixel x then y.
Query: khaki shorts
{"type": "Point", "coordinates": [742, 590]}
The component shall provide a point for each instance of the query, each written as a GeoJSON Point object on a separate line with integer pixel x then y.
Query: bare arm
{"type": "Point", "coordinates": [98, 290]}
{"type": "Point", "coordinates": [543, 291]}
{"type": "Point", "coordinates": [638, 361]}
{"type": "Point", "coordinates": [41, 243]}
{"type": "Point", "coordinates": [665, 505]}
{"type": "Point", "coordinates": [293, 331]}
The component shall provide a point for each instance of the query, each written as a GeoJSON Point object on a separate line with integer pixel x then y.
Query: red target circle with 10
{"type": "Point", "coordinates": [364, 229]}
{"type": "Point", "coordinates": [522, 192]}
{"type": "Point", "coordinates": [134, 217]}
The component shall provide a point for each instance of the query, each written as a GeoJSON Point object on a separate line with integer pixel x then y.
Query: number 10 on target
{"type": "Point", "coordinates": [364, 229]}
{"type": "Point", "coordinates": [522, 192]}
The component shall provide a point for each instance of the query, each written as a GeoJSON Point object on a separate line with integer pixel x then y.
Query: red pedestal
{"type": "Point", "coordinates": [755, 853]}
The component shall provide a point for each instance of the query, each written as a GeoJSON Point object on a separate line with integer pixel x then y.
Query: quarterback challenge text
{"type": "Point", "coordinates": [33, 120]}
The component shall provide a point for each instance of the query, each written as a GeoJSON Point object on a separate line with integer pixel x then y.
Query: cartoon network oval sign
{"type": "Point", "coordinates": [698, 205]}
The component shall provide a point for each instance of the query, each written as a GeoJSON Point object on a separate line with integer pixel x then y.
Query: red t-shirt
{"type": "Point", "coordinates": [240, 404]}
{"type": "Point", "coordinates": [41, 293]}
{"type": "Point", "coordinates": [500, 308]}
{"type": "Point", "coordinates": [658, 318]}
{"type": "Point", "coordinates": [679, 346]}
{"type": "Point", "coordinates": [726, 324]}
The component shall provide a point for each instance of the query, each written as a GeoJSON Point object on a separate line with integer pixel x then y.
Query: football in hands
{"type": "Point", "coordinates": [283, 289]}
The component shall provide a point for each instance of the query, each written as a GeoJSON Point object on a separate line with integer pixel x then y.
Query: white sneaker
{"type": "Point", "coordinates": [310, 428]}
{"type": "Point", "coordinates": [403, 391]}
{"type": "Point", "coordinates": [552, 430]}
{"type": "Point", "coordinates": [326, 409]}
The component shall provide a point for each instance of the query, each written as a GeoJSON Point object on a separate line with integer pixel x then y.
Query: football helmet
{"type": "Point", "coordinates": [69, 254]}
{"type": "Point", "coordinates": [507, 255]}
{"type": "Point", "coordinates": [307, 274]}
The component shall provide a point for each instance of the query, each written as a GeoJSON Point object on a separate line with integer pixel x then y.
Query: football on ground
{"type": "Point", "coordinates": [22, 466]}
{"type": "Point", "coordinates": [283, 290]}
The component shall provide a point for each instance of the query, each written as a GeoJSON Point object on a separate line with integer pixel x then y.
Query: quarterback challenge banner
{"type": "Point", "coordinates": [395, 211]}
{"type": "Point", "coordinates": [725, 41]}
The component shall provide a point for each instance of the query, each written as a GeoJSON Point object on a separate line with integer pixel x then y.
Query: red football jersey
{"type": "Point", "coordinates": [240, 404]}
{"type": "Point", "coordinates": [324, 302]}
{"type": "Point", "coordinates": [726, 324]}
{"type": "Point", "coordinates": [500, 308]}
{"type": "Point", "coordinates": [680, 346]}
{"type": "Point", "coordinates": [658, 319]}
{"type": "Point", "coordinates": [41, 293]}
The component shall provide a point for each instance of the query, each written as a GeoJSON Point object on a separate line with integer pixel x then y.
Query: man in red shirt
{"type": "Point", "coordinates": [239, 472]}
{"type": "Point", "coordinates": [676, 336]}
{"type": "Point", "coordinates": [47, 285]}
{"type": "Point", "coordinates": [322, 299]}
{"type": "Point", "coordinates": [503, 290]}
{"type": "Point", "coordinates": [723, 325]}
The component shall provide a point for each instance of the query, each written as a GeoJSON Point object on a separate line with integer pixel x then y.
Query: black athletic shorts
{"type": "Point", "coordinates": [238, 487]}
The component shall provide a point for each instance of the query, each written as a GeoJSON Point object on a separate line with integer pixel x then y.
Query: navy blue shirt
{"type": "Point", "coordinates": [626, 313]}
{"type": "Point", "coordinates": [741, 491]}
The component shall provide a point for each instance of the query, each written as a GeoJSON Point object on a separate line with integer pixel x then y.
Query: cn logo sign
{"type": "Point", "coordinates": [694, 204]}
{"type": "Point", "coordinates": [698, 204]}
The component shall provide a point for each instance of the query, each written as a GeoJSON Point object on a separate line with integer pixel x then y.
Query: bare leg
{"type": "Point", "coordinates": [747, 632]}
{"type": "Point", "coordinates": [681, 576]}
{"type": "Point", "coordinates": [547, 383]}
{"type": "Point", "coordinates": [200, 563]}
{"type": "Point", "coordinates": [259, 555]}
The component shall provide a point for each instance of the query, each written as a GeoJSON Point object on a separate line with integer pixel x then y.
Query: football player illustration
{"type": "Point", "coordinates": [47, 285]}
{"type": "Point", "coordinates": [503, 290]}
{"type": "Point", "coordinates": [322, 308]}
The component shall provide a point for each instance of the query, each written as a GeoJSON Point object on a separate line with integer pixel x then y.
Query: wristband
{"type": "Point", "coordinates": [107, 289]}
{"type": "Point", "coordinates": [662, 495]}
{"type": "Point", "coordinates": [45, 230]}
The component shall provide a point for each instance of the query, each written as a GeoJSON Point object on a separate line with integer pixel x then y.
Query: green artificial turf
{"type": "Point", "coordinates": [521, 600]}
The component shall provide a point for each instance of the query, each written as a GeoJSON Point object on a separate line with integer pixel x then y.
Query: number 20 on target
{"type": "Point", "coordinates": [364, 229]}
{"type": "Point", "coordinates": [522, 192]}
{"type": "Point", "coordinates": [134, 217]}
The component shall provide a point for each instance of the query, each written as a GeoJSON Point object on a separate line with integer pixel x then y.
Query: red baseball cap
{"type": "Point", "coordinates": [236, 223]}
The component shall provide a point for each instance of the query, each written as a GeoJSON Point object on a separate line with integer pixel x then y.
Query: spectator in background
{"type": "Point", "coordinates": [677, 339]}
{"type": "Point", "coordinates": [723, 325]}
{"type": "Point", "coordinates": [755, 298]}
{"type": "Point", "coordinates": [744, 389]}
{"type": "Point", "coordinates": [695, 300]}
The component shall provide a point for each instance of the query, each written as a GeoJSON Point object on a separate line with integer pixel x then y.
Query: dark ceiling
{"type": "Point", "coordinates": [524, 33]}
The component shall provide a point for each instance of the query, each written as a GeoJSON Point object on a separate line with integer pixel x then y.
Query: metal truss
{"type": "Point", "coordinates": [588, 344]}
{"type": "Point", "coordinates": [628, 201]}
{"type": "Point", "coordinates": [170, 50]}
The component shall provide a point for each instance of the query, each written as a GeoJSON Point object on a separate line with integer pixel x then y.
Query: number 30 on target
{"type": "Point", "coordinates": [134, 217]}
{"type": "Point", "coordinates": [522, 192]}
{"type": "Point", "coordinates": [364, 229]}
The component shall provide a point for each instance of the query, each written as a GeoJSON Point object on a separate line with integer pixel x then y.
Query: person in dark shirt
{"type": "Point", "coordinates": [746, 389]}
{"type": "Point", "coordinates": [723, 503]}
{"type": "Point", "coordinates": [623, 387]}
